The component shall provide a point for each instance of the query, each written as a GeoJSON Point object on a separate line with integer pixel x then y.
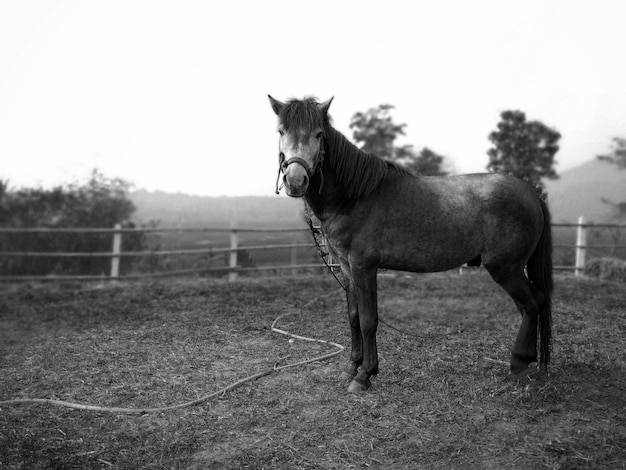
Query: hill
{"type": "Point", "coordinates": [172, 210]}
{"type": "Point", "coordinates": [580, 190]}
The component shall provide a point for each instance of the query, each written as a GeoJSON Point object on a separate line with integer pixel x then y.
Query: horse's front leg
{"type": "Point", "coordinates": [356, 355]}
{"type": "Point", "coordinates": [366, 296]}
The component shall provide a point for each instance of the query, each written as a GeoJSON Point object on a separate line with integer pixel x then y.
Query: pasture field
{"type": "Point", "coordinates": [443, 398]}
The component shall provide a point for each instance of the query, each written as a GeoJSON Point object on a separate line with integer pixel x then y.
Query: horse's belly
{"type": "Point", "coordinates": [428, 254]}
{"type": "Point", "coordinates": [422, 261]}
{"type": "Point", "coordinates": [416, 242]}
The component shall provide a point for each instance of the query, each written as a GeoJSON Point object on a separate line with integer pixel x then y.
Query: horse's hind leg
{"type": "Point", "coordinates": [528, 299]}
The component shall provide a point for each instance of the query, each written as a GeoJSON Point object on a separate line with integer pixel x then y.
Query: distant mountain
{"type": "Point", "coordinates": [173, 210]}
{"type": "Point", "coordinates": [580, 190]}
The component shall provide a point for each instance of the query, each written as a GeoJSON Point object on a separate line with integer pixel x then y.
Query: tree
{"type": "Point", "coordinates": [375, 132]}
{"type": "Point", "coordinates": [100, 203]}
{"type": "Point", "coordinates": [425, 162]}
{"type": "Point", "coordinates": [525, 149]}
{"type": "Point", "coordinates": [4, 188]}
{"type": "Point", "coordinates": [618, 157]}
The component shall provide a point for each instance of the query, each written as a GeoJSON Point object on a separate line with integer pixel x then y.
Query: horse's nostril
{"type": "Point", "coordinates": [294, 183]}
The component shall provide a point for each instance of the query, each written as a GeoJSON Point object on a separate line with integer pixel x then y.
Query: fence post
{"type": "Point", "coordinates": [294, 256]}
{"type": "Point", "coordinates": [117, 249]}
{"type": "Point", "coordinates": [234, 242]}
{"type": "Point", "coordinates": [581, 247]}
{"type": "Point", "coordinates": [294, 251]}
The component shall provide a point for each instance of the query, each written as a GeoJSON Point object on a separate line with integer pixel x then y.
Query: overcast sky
{"type": "Point", "coordinates": [172, 95]}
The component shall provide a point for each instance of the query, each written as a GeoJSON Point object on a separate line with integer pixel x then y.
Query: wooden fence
{"type": "Point", "coordinates": [233, 269]}
{"type": "Point", "coordinates": [116, 254]}
{"type": "Point", "coordinates": [582, 247]}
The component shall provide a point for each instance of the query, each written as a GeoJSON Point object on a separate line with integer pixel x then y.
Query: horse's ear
{"type": "Point", "coordinates": [325, 105]}
{"type": "Point", "coordinates": [276, 105]}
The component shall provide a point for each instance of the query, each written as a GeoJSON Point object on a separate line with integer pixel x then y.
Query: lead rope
{"type": "Point", "coordinates": [281, 159]}
{"type": "Point", "coordinates": [316, 232]}
{"type": "Point", "coordinates": [278, 182]}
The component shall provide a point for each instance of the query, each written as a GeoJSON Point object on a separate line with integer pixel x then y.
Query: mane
{"type": "Point", "coordinates": [359, 172]}
{"type": "Point", "coordinates": [303, 114]}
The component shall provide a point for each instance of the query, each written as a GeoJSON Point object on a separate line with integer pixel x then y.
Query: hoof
{"type": "Point", "coordinates": [358, 387]}
{"type": "Point", "coordinates": [519, 365]}
{"type": "Point", "coordinates": [521, 375]}
{"type": "Point", "coordinates": [345, 375]}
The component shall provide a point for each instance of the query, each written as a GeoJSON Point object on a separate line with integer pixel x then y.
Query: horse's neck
{"type": "Point", "coordinates": [339, 143]}
{"type": "Point", "coordinates": [320, 202]}
{"type": "Point", "coordinates": [326, 194]}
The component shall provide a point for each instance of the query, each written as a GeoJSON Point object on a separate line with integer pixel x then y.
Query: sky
{"type": "Point", "coordinates": [172, 95]}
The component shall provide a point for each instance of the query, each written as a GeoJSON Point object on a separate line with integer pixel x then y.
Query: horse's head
{"type": "Point", "coordinates": [301, 125]}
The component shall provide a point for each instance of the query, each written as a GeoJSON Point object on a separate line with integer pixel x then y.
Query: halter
{"type": "Point", "coordinates": [317, 164]}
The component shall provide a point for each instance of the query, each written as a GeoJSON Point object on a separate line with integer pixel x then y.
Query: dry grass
{"type": "Point", "coordinates": [442, 399]}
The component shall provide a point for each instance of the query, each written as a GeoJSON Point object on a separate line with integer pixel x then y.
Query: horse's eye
{"type": "Point", "coordinates": [281, 132]}
{"type": "Point", "coordinates": [318, 135]}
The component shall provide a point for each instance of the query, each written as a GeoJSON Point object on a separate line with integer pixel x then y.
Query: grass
{"type": "Point", "coordinates": [442, 398]}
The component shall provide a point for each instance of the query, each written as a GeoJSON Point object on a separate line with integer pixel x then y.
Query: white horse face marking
{"type": "Point", "coordinates": [301, 150]}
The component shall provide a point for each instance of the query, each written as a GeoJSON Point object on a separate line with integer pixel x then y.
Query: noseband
{"type": "Point", "coordinates": [310, 171]}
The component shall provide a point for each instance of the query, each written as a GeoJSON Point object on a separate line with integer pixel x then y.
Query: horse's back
{"type": "Point", "coordinates": [461, 197]}
{"type": "Point", "coordinates": [435, 223]}
{"type": "Point", "coordinates": [432, 199]}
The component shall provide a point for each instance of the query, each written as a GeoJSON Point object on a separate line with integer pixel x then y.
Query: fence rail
{"type": "Point", "coordinates": [233, 268]}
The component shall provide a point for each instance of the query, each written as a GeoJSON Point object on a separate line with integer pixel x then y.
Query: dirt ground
{"type": "Point", "coordinates": [443, 397]}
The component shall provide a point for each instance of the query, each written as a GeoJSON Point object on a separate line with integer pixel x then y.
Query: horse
{"type": "Point", "coordinates": [375, 215]}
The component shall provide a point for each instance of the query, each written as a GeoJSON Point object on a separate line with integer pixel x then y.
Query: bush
{"type": "Point", "coordinates": [611, 269]}
{"type": "Point", "coordinates": [99, 203]}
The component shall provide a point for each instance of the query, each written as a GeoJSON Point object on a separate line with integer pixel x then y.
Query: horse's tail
{"type": "Point", "coordinates": [540, 275]}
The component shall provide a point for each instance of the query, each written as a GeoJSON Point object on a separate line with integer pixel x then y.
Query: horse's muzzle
{"type": "Point", "coordinates": [296, 188]}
